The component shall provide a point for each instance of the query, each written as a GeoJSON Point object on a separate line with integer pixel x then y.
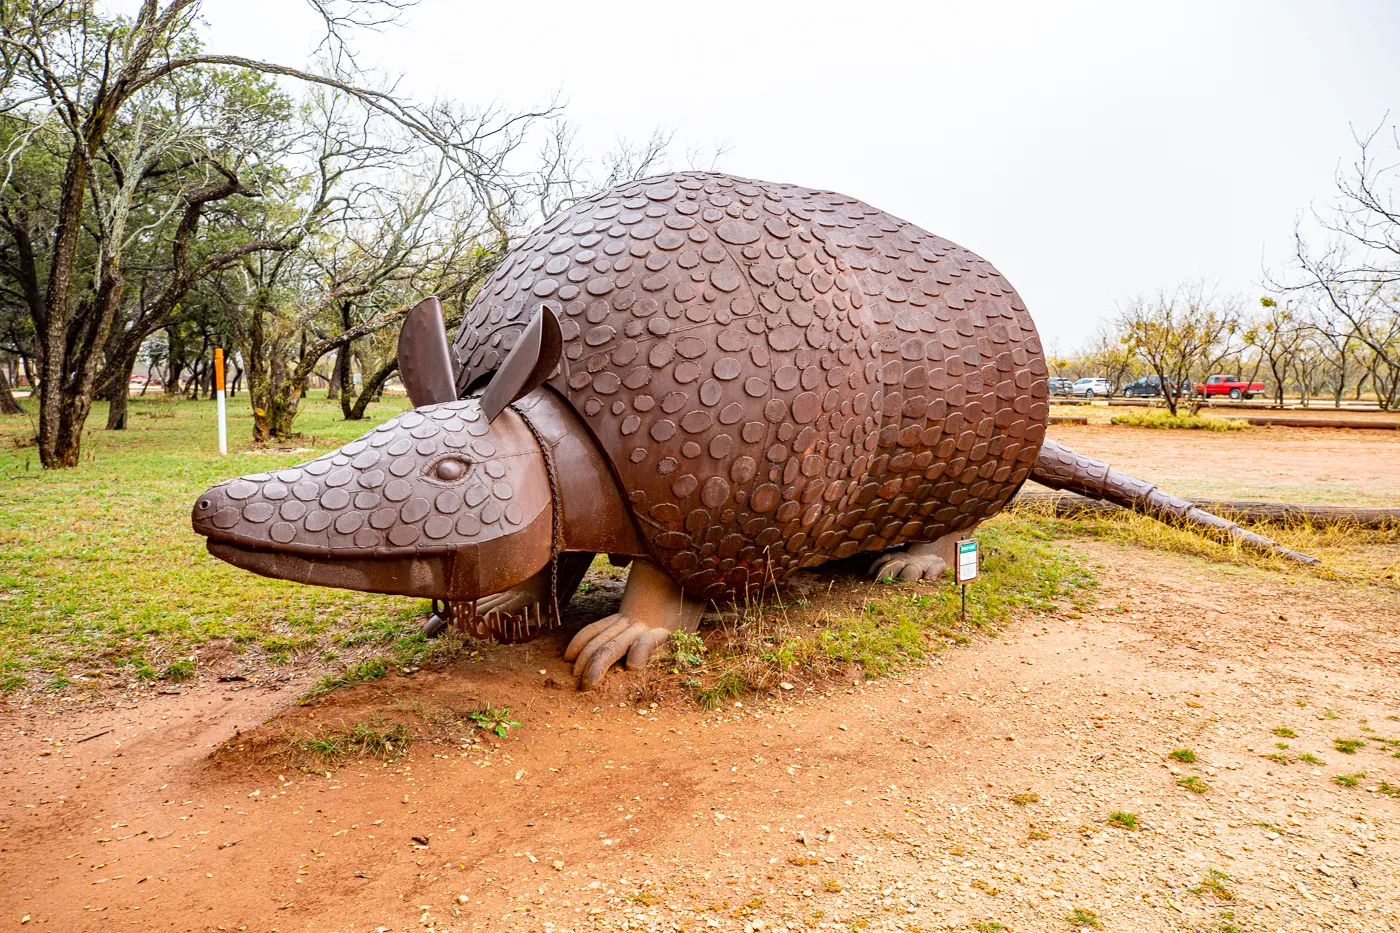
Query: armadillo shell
{"type": "Point", "coordinates": [779, 376]}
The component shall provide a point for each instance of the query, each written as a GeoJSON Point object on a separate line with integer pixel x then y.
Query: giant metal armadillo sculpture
{"type": "Point", "coordinates": [721, 380]}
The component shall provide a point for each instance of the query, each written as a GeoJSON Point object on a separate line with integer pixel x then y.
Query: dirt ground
{"type": "Point", "coordinates": [973, 793]}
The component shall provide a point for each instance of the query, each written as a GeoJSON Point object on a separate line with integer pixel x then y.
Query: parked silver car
{"type": "Point", "coordinates": [1092, 386]}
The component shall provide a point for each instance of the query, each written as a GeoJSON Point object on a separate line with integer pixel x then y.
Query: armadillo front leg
{"type": "Point", "coordinates": [653, 607]}
{"type": "Point", "coordinates": [1061, 468]}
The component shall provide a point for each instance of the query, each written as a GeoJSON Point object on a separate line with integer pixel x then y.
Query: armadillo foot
{"type": "Point", "coordinates": [916, 562]}
{"type": "Point", "coordinates": [652, 608]}
{"type": "Point", "coordinates": [599, 646]}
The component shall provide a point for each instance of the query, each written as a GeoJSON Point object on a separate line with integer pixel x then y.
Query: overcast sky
{"type": "Point", "coordinates": [1091, 151]}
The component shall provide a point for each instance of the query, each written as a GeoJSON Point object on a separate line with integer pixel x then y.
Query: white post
{"type": "Point", "coordinates": [219, 394]}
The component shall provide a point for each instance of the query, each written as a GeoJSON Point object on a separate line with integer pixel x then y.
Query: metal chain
{"type": "Point", "coordinates": [556, 544]}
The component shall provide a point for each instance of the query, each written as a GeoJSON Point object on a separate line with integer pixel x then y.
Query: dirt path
{"type": "Point", "coordinates": [891, 805]}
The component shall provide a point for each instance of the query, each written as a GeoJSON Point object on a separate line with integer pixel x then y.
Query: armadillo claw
{"type": "Point", "coordinates": [887, 567]}
{"type": "Point", "coordinates": [596, 661]}
{"type": "Point", "coordinates": [586, 634]}
{"type": "Point", "coordinates": [645, 646]}
{"type": "Point", "coordinates": [616, 626]}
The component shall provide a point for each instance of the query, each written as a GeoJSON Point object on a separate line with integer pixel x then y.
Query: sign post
{"type": "Point", "coordinates": [219, 394]}
{"type": "Point", "coordinates": [967, 570]}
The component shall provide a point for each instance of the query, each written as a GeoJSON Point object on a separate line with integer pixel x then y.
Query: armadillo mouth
{"type": "Point", "coordinates": [423, 576]}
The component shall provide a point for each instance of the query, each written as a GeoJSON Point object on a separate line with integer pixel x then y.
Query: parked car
{"type": "Point", "coordinates": [1151, 387]}
{"type": "Point", "coordinates": [1229, 385]}
{"type": "Point", "coordinates": [1092, 386]}
{"type": "Point", "coordinates": [1059, 385]}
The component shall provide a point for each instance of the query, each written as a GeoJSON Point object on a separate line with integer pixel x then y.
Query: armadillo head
{"type": "Point", "coordinates": [438, 502]}
{"type": "Point", "coordinates": [451, 500]}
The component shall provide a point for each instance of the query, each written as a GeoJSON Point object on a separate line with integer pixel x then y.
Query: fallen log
{"type": "Point", "coordinates": [1237, 510]}
{"type": "Point", "coordinates": [1357, 423]}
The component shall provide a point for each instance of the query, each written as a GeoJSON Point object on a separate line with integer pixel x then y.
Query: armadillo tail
{"type": "Point", "coordinates": [1061, 468]}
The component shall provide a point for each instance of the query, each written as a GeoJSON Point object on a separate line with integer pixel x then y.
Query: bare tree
{"type": "Point", "coordinates": [71, 77]}
{"type": "Point", "coordinates": [1277, 333]}
{"type": "Point", "coordinates": [1109, 354]}
{"type": "Point", "coordinates": [1180, 333]}
{"type": "Point", "coordinates": [383, 220]}
{"type": "Point", "coordinates": [1354, 274]}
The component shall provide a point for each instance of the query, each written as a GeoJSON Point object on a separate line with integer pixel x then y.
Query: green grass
{"type": "Point", "coordinates": [1349, 780]}
{"type": "Point", "coordinates": [377, 739]}
{"type": "Point", "coordinates": [363, 672]}
{"type": "Point", "coordinates": [1083, 917]}
{"type": "Point", "coordinates": [1311, 759]}
{"type": "Point", "coordinates": [1390, 790]}
{"type": "Point", "coordinates": [1163, 419]}
{"type": "Point", "coordinates": [179, 671]}
{"type": "Point", "coordinates": [101, 575]}
{"type": "Point", "coordinates": [1347, 746]}
{"type": "Point", "coordinates": [1123, 819]}
{"type": "Point", "coordinates": [1194, 784]}
{"type": "Point", "coordinates": [1214, 883]}
{"type": "Point", "coordinates": [1183, 755]}
{"type": "Point", "coordinates": [1285, 733]}
{"type": "Point", "coordinates": [875, 630]}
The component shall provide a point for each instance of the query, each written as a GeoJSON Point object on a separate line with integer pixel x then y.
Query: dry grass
{"type": "Point", "coordinates": [1348, 551]}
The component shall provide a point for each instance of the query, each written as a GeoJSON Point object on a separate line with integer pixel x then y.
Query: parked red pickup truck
{"type": "Point", "coordinates": [1229, 385]}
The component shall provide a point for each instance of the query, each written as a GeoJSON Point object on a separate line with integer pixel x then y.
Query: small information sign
{"type": "Point", "coordinates": [967, 561]}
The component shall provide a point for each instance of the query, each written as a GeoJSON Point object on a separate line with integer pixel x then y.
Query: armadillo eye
{"type": "Point", "coordinates": [450, 470]}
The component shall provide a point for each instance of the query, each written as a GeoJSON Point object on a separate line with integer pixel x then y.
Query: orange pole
{"type": "Point", "coordinates": [219, 394]}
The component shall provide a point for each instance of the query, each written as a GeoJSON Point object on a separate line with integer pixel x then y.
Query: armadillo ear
{"type": "Point", "coordinates": [425, 364]}
{"type": "Point", "coordinates": [527, 366]}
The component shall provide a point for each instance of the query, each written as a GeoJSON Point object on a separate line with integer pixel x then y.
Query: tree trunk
{"type": "Point", "coordinates": [272, 420]}
{"type": "Point", "coordinates": [344, 367]}
{"type": "Point", "coordinates": [8, 405]}
{"type": "Point", "coordinates": [196, 373]}
{"type": "Point", "coordinates": [337, 376]}
{"type": "Point", "coordinates": [369, 392]}
{"type": "Point", "coordinates": [1171, 392]}
{"type": "Point", "coordinates": [54, 438]}
{"type": "Point", "coordinates": [341, 383]}
{"type": "Point", "coordinates": [118, 394]}
{"type": "Point", "coordinates": [76, 391]}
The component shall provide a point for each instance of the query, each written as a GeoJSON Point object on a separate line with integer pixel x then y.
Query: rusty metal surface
{"type": "Point", "coordinates": [424, 364]}
{"type": "Point", "coordinates": [778, 375]}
